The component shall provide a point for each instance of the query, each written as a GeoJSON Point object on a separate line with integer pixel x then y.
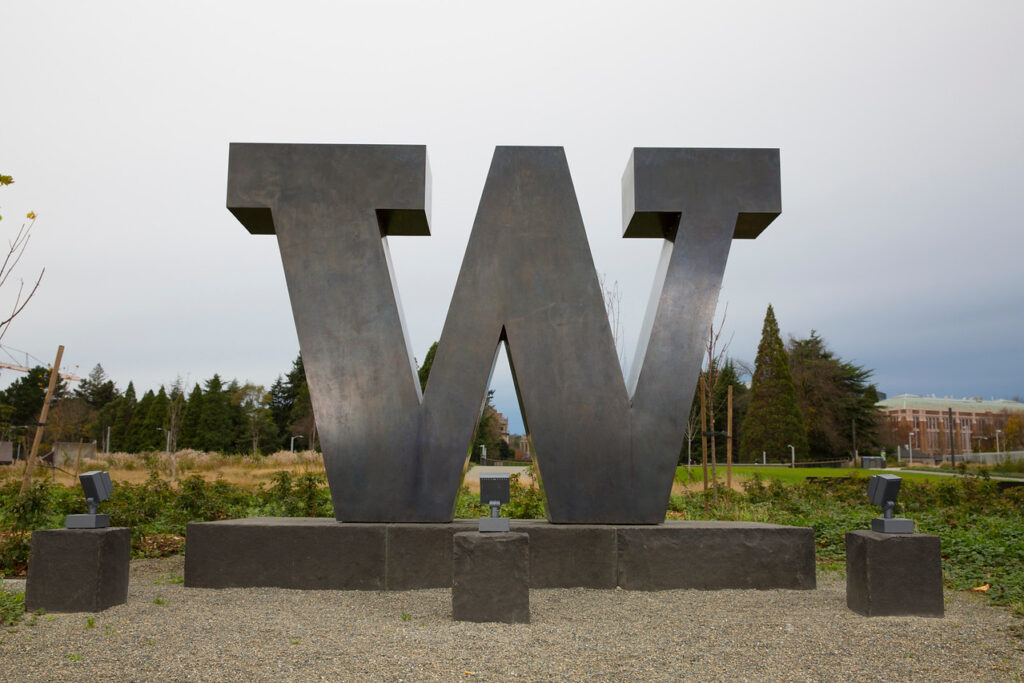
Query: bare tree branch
{"type": "Point", "coordinates": [16, 248]}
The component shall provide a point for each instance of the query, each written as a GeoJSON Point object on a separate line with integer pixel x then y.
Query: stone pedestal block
{"type": "Point", "coordinates": [893, 574]}
{"type": "Point", "coordinates": [491, 577]}
{"type": "Point", "coordinates": [78, 570]}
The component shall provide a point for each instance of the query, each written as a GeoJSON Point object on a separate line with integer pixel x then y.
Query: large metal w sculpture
{"type": "Point", "coordinates": [606, 448]}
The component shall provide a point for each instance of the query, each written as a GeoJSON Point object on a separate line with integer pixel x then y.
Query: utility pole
{"type": "Point", "coordinates": [31, 463]}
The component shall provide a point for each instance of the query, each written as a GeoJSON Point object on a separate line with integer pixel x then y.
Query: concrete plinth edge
{"type": "Point", "coordinates": [325, 554]}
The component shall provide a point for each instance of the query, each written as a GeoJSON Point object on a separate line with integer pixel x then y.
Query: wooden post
{"type": "Point", "coordinates": [31, 463]}
{"type": "Point", "coordinates": [703, 434]}
{"type": "Point", "coordinates": [728, 441]}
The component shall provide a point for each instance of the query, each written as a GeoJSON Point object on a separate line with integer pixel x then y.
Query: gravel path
{"type": "Point", "coordinates": [168, 632]}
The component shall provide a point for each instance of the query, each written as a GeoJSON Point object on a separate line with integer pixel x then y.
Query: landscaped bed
{"type": "Point", "coordinates": [980, 526]}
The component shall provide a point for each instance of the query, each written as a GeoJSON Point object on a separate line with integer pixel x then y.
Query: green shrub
{"type": "Point", "coordinates": [12, 606]}
{"type": "Point", "coordinates": [525, 501]}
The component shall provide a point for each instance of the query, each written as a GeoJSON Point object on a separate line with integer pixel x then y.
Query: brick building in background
{"type": "Point", "coordinates": [923, 423]}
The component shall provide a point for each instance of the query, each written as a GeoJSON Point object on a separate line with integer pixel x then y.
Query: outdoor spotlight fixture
{"type": "Point", "coordinates": [883, 490]}
{"type": "Point", "coordinates": [97, 488]}
{"type": "Point", "coordinates": [495, 491]}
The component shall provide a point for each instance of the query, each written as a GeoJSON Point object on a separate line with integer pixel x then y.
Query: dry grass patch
{"type": "Point", "coordinates": [135, 468]}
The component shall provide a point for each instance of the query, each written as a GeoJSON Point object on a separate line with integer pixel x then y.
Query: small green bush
{"type": "Point", "coordinates": [525, 501]}
{"type": "Point", "coordinates": [12, 606]}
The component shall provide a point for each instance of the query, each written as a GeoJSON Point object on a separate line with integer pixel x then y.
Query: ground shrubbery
{"type": "Point", "coordinates": [156, 511]}
{"type": "Point", "coordinates": [525, 502]}
{"type": "Point", "coordinates": [980, 527]}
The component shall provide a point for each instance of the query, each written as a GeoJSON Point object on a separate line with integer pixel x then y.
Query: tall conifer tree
{"type": "Point", "coordinates": [189, 435]}
{"type": "Point", "coordinates": [217, 430]}
{"type": "Point", "coordinates": [120, 430]}
{"type": "Point", "coordinates": [153, 435]}
{"type": "Point", "coordinates": [773, 420]}
{"type": "Point", "coordinates": [138, 438]}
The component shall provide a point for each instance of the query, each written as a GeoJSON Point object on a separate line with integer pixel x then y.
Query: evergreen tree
{"type": "Point", "coordinates": [773, 421]}
{"type": "Point", "coordinates": [188, 437]}
{"type": "Point", "coordinates": [216, 428]}
{"type": "Point", "coordinates": [124, 409]}
{"type": "Point", "coordinates": [290, 406]}
{"type": "Point", "coordinates": [833, 394]}
{"type": "Point", "coordinates": [97, 389]}
{"type": "Point", "coordinates": [156, 422]}
{"type": "Point", "coordinates": [428, 363]}
{"type": "Point", "coordinates": [104, 419]}
{"type": "Point", "coordinates": [138, 437]}
{"type": "Point", "coordinates": [27, 394]}
{"type": "Point", "coordinates": [280, 408]}
{"type": "Point", "coordinates": [303, 421]}
{"type": "Point", "coordinates": [239, 436]}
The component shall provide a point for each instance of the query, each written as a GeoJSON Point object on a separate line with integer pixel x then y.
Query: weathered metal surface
{"type": "Point", "coordinates": [606, 455]}
{"type": "Point", "coordinates": [332, 208]}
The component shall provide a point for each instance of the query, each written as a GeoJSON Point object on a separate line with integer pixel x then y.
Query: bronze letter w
{"type": "Point", "coordinates": [606, 447]}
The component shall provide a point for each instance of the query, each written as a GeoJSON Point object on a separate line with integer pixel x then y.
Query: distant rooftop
{"type": "Point", "coordinates": [972, 403]}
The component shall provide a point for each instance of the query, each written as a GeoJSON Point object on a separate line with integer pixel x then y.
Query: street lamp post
{"type": "Point", "coordinates": [910, 449]}
{"type": "Point", "coordinates": [998, 432]}
{"type": "Point", "coordinates": [295, 436]}
{"type": "Point", "coordinates": [792, 456]}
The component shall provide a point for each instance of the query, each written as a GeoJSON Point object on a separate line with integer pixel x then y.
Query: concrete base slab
{"type": "Point", "coordinates": [715, 555]}
{"type": "Point", "coordinates": [325, 554]}
{"type": "Point", "coordinates": [78, 570]}
{"type": "Point", "coordinates": [285, 552]}
{"type": "Point", "coordinates": [491, 577]}
{"type": "Point", "coordinates": [420, 555]}
{"type": "Point", "coordinates": [894, 574]}
{"type": "Point", "coordinates": [570, 556]}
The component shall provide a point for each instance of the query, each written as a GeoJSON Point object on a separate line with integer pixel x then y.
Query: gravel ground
{"type": "Point", "coordinates": [169, 632]}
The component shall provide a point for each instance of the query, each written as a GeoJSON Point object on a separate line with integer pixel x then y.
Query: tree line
{"type": "Point", "coordinates": [215, 415]}
{"type": "Point", "coordinates": [801, 394]}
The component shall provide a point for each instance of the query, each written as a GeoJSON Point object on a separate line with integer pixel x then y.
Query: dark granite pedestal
{"type": "Point", "coordinates": [325, 554]}
{"type": "Point", "coordinates": [491, 573]}
{"type": "Point", "coordinates": [893, 574]}
{"type": "Point", "coordinates": [78, 570]}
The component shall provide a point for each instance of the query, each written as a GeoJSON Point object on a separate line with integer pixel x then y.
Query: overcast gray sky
{"type": "Point", "coordinates": [899, 124]}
